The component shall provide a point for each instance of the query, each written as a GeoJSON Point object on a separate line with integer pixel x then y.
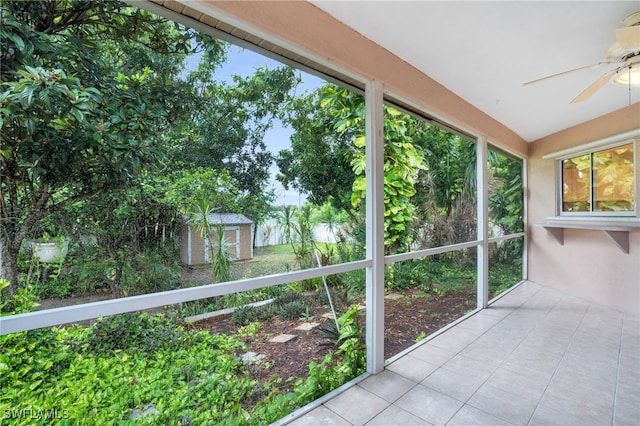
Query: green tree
{"type": "Point", "coordinates": [78, 116]}
{"type": "Point", "coordinates": [227, 129]}
{"type": "Point", "coordinates": [318, 163]}
{"type": "Point", "coordinates": [446, 190]}
{"type": "Point", "coordinates": [402, 162]}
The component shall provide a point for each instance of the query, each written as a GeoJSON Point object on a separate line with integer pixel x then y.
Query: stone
{"type": "Point", "coordinates": [306, 326]}
{"type": "Point", "coordinates": [283, 338]}
{"type": "Point", "coordinates": [394, 296]}
{"type": "Point", "coordinates": [146, 410]}
{"type": "Point", "coordinates": [250, 357]}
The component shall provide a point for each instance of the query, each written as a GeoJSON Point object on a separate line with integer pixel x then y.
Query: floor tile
{"type": "Point", "coordinates": [509, 407]}
{"type": "Point", "coordinates": [432, 354]}
{"type": "Point", "coordinates": [470, 416]}
{"type": "Point", "coordinates": [469, 367]}
{"type": "Point", "coordinates": [526, 383]}
{"type": "Point", "coordinates": [489, 356]}
{"type": "Point", "coordinates": [412, 368]}
{"type": "Point", "coordinates": [546, 415]}
{"type": "Point", "coordinates": [626, 410]}
{"type": "Point", "coordinates": [430, 405]}
{"type": "Point", "coordinates": [577, 387]}
{"type": "Point", "coordinates": [357, 405]}
{"type": "Point", "coordinates": [577, 411]}
{"type": "Point", "coordinates": [453, 384]}
{"type": "Point", "coordinates": [320, 416]}
{"type": "Point", "coordinates": [387, 385]}
{"type": "Point", "coordinates": [538, 357]}
{"type": "Point", "coordinates": [451, 341]}
{"type": "Point", "coordinates": [396, 416]}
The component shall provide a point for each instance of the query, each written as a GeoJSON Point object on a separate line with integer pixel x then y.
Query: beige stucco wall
{"type": "Point", "coordinates": [588, 265]}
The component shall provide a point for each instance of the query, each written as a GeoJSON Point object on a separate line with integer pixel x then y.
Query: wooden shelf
{"type": "Point", "coordinates": [618, 233]}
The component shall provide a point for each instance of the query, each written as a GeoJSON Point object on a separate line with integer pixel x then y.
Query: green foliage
{"type": "Point", "coordinates": [22, 302]}
{"type": "Point", "coordinates": [133, 361]}
{"type": "Point", "coordinates": [245, 315]}
{"type": "Point", "coordinates": [408, 274]}
{"type": "Point", "coordinates": [506, 193]}
{"type": "Point", "coordinates": [89, 269]}
{"type": "Point", "coordinates": [250, 330]}
{"type": "Point", "coordinates": [220, 261]}
{"type": "Point", "coordinates": [196, 379]}
{"type": "Point", "coordinates": [81, 111]}
{"type": "Point", "coordinates": [402, 162]}
{"type": "Point", "coordinates": [293, 310]}
{"type": "Point", "coordinates": [155, 271]}
{"type": "Point", "coordinates": [318, 163]}
{"type": "Point", "coordinates": [323, 377]}
{"type": "Point", "coordinates": [139, 332]}
{"type": "Point", "coordinates": [191, 189]}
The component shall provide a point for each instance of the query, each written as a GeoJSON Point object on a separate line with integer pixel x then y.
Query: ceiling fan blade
{"type": "Point", "coordinates": [592, 66]}
{"type": "Point", "coordinates": [593, 88]}
{"type": "Point", "coordinates": [629, 37]}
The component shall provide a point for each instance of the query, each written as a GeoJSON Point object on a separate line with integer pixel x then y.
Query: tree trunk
{"type": "Point", "coordinates": [8, 268]}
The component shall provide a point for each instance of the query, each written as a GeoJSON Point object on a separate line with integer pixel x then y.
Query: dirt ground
{"type": "Point", "coordinates": [408, 315]}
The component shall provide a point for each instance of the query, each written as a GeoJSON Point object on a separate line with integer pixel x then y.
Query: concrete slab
{"type": "Point", "coordinates": [283, 338]}
{"type": "Point", "coordinates": [306, 326]}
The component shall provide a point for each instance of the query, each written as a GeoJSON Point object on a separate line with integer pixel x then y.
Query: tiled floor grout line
{"type": "Point", "coordinates": [466, 402]}
{"type": "Point", "coordinates": [564, 353]}
{"type": "Point", "coordinates": [455, 354]}
{"type": "Point", "coordinates": [615, 388]}
{"type": "Point", "coordinates": [525, 330]}
{"type": "Point", "coordinates": [394, 402]}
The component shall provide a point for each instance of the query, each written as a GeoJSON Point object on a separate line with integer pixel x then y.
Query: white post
{"type": "Point", "coordinates": [375, 226]}
{"type": "Point", "coordinates": [525, 228]}
{"type": "Point", "coordinates": [482, 189]}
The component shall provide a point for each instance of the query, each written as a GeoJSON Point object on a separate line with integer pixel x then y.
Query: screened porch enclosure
{"type": "Point", "coordinates": [546, 333]}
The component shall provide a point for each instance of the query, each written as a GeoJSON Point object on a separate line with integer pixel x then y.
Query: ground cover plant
{"type": "Point", "coordinates": [152, 369]}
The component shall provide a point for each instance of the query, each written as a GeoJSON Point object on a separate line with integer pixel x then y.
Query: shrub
{"type": "Point", "coordinates": [244, 315]}
{"type": "Point", "coordinates": [140, 332]}
{"type": "Point", "coordinates": [293, 310]}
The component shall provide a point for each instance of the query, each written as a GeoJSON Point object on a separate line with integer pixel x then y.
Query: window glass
{"type": "Point", "coordinates": [613, 179]}
{"type": "Point", "coordinates": [600, 181]}
{"type": "Point", "coordinates": [576, 175]}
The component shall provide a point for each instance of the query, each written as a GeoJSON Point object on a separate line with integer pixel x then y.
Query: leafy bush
{"type": "Point", "coordinates": [244, 315]}
{"type": "Point", "coordinates": [408, 274]}
{"type": "Point", "coordinates": [293, 310]}
{"type": "Point", "coordinates": [130, 361]}
{"type": "Point", "coordinates": [191, 378]}
{"type": "Point", "coordinates": [288, 297]}
{"type": "Point", "coordinates": [154, 271]}
{"type": "Point", "coordinates": [139, 332]}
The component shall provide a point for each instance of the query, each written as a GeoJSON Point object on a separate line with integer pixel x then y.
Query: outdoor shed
{"type": "Point", "coordinates": [196, 250]}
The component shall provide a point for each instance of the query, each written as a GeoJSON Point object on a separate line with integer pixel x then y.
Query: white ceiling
{"type": "Point", "coordinates": [484, 50]}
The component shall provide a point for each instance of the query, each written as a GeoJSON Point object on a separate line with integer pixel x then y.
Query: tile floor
{"type": "Point", "coordinates": [537, 357]}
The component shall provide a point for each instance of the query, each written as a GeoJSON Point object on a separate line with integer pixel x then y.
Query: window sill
{"type": "Point", "coordinates": [617, 230]}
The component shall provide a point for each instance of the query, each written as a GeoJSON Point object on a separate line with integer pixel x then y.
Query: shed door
{"type": "Point", "coordinates": [231, 244]}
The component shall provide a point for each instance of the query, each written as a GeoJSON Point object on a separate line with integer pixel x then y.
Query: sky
{"type": "Point", "coordinates": [244, 62]}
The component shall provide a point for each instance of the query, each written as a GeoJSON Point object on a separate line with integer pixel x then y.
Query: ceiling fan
{"type": "Point", "coordinates": [625, 52]}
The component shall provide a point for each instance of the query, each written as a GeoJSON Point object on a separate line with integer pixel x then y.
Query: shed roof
{"type": "Point", "coordinates": [225, 219]}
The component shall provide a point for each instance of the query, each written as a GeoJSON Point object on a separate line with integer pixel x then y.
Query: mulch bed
{"type": "Point", "coordinates": [406, 318]}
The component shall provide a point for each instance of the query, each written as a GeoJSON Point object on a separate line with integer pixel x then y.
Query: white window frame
{"type": "Point", "coordinates": [591, 148]}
